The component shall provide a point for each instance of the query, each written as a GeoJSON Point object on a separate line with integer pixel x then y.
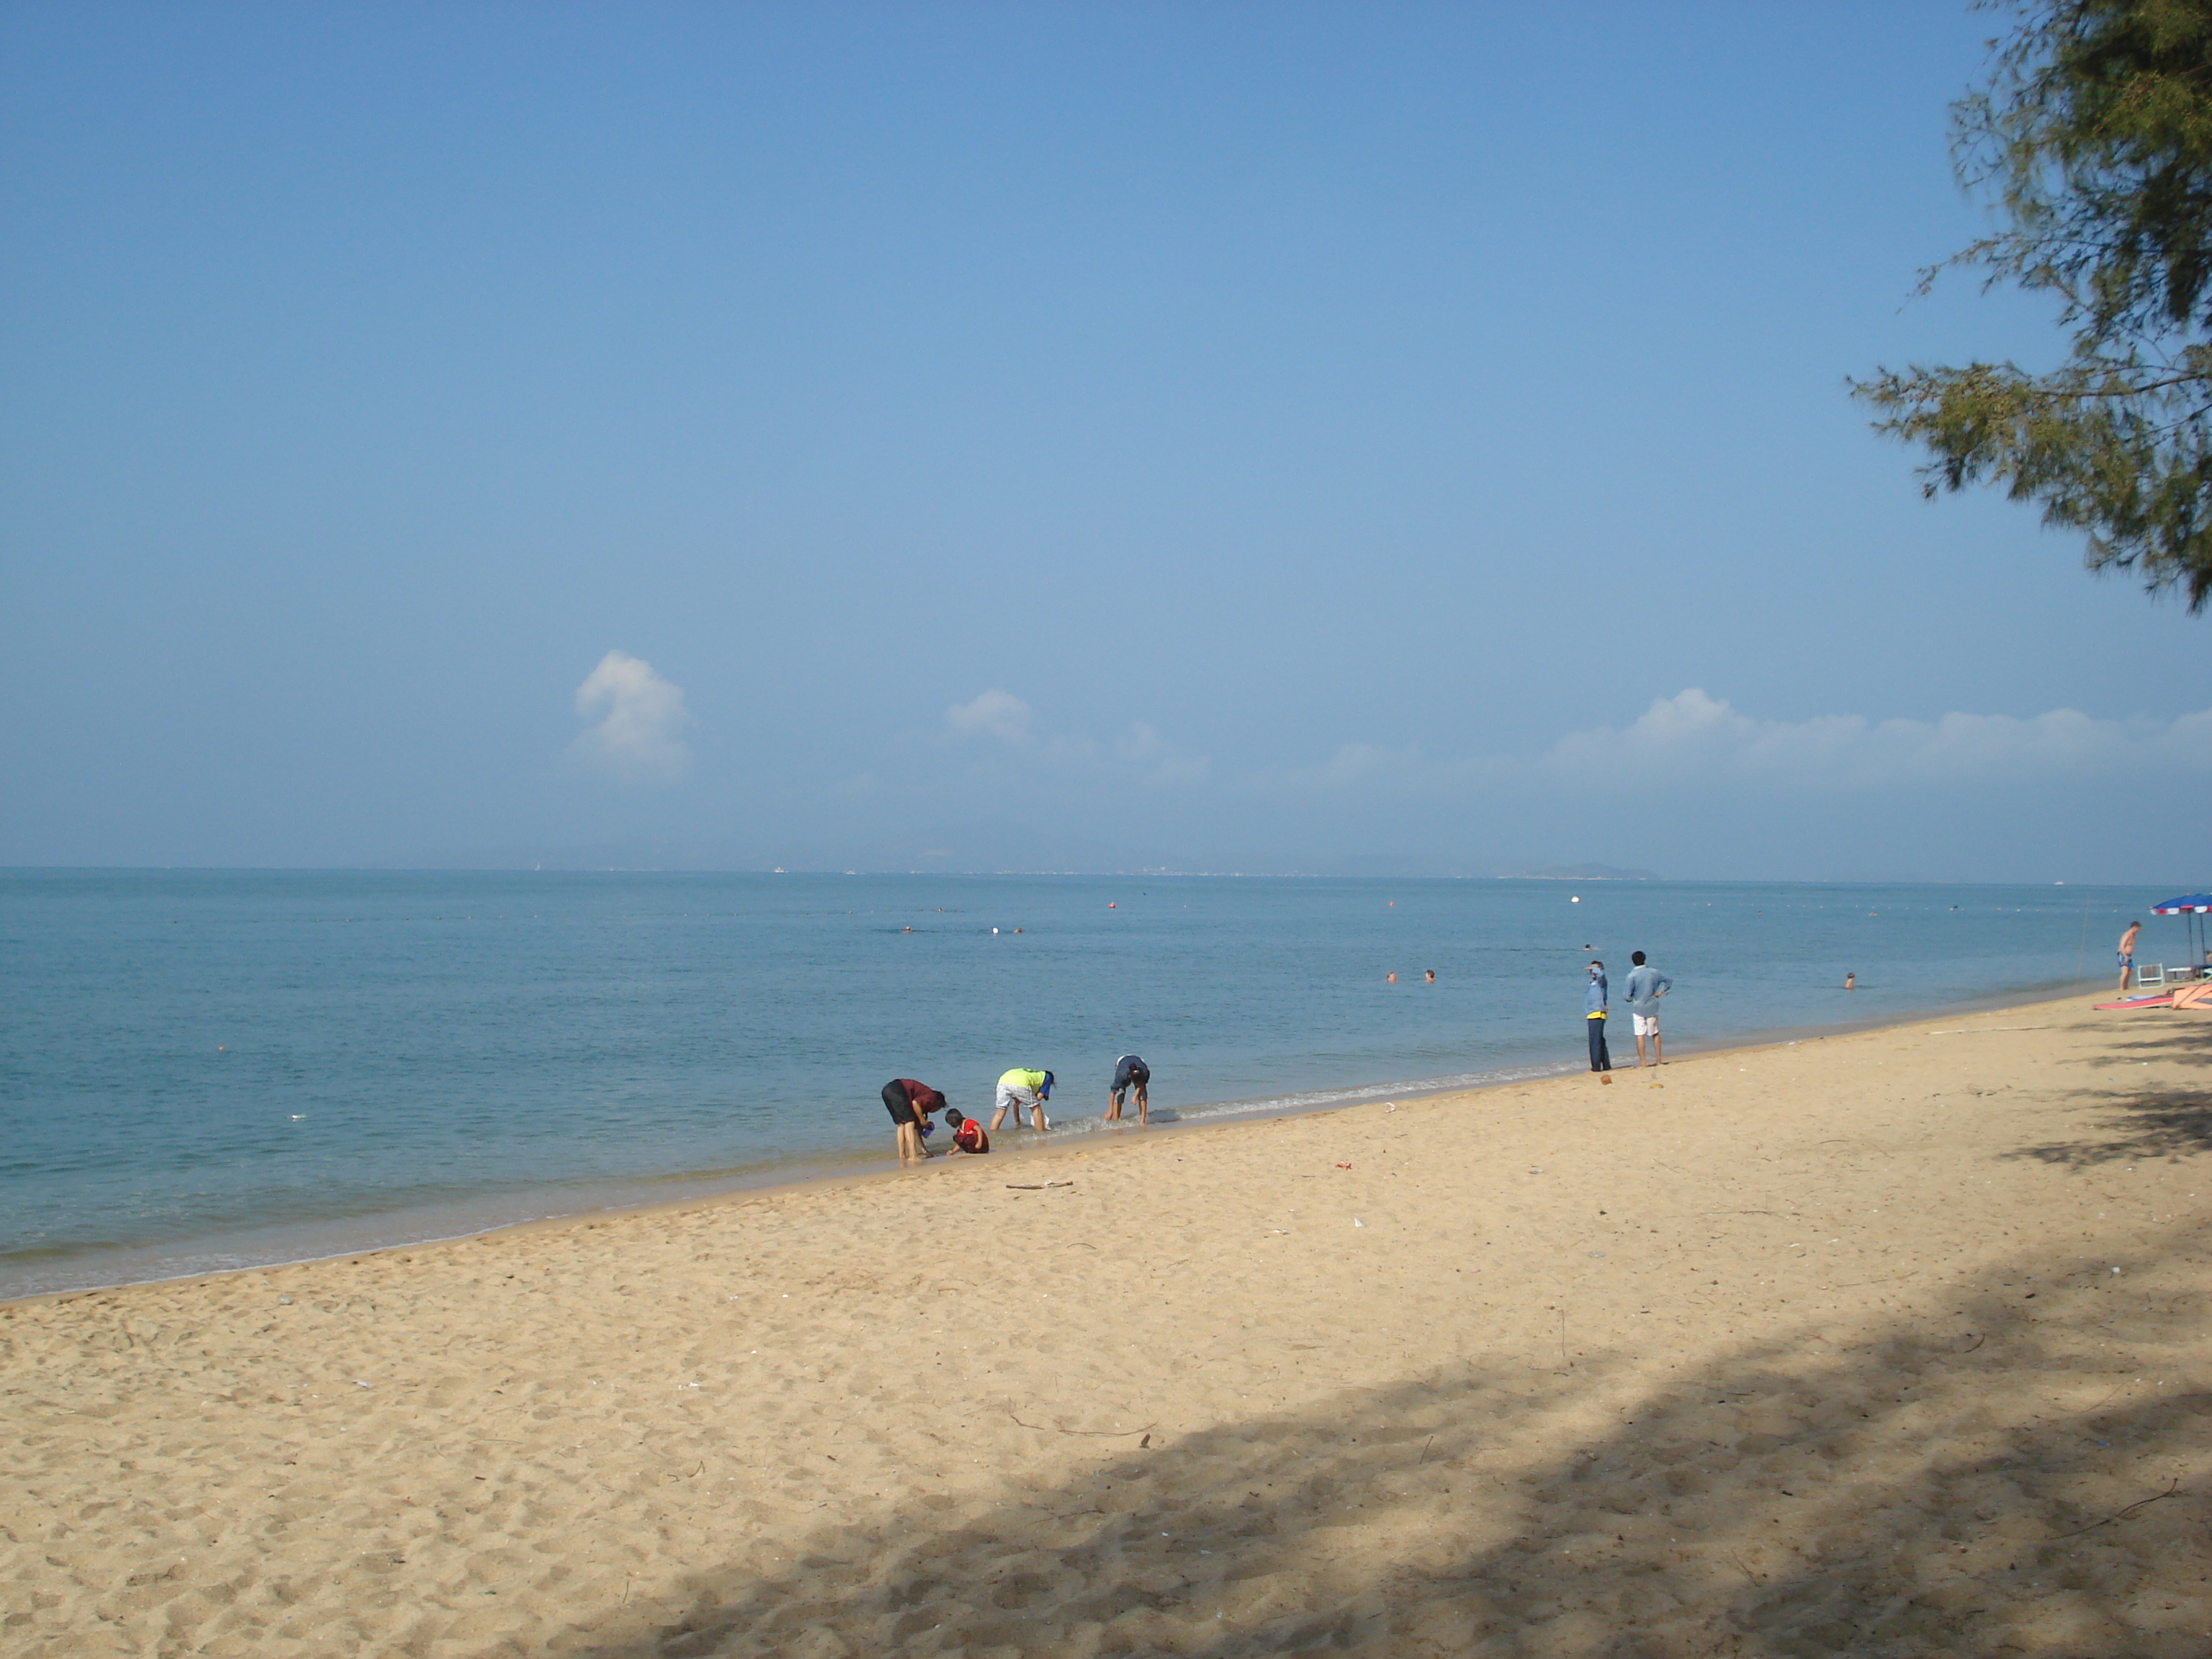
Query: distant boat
{"type": "Point", "coordinates": [777, 870]}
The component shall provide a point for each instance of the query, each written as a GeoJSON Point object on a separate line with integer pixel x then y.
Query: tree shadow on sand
{"type": "Point", "coordinates": [1995, 1472]}
{"type": "Point", "coordinates": [2182, 1039]}
{"type": "Point", "coordinates": [2159, 1123]}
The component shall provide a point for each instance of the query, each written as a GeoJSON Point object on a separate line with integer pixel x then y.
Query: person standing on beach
{"type": "Point", "coordinates": [1130, 1071]}
{"type": "Point", "coordinates": [910, 1104]}
{"type": "Point", "coordinates": [1018, 1089]}
{"type": "Point", "coordinates": [1645, 985]}
{"type": "Point", "coordinates": [1594, 997]}
{"type": "Point", "coordinates": [2128, 954]}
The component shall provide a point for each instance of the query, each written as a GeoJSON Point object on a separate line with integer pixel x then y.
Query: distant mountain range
{"type": "Point", "coordinates": [1585, 872]}
{"type": "Point", "coordinates": [960, 849]}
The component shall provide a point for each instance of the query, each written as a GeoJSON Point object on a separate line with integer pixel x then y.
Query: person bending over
{"type": "Point", "coordinates": [1130, 1073]}
{"type": "Point", "coordinates": [1018, 1089]}
{"type": "Point", "coordinates": [910, 1104]}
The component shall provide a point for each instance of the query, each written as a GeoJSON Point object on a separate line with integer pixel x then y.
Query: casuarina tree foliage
{"type": "Point", "coordinates": [2095, 137]}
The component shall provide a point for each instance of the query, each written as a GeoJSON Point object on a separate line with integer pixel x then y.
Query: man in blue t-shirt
{"type": "Point", "coordinates": [1646, 985]}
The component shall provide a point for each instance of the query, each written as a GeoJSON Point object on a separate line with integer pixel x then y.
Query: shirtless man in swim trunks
{"type": "Point", "coordinates": [2128, 955]}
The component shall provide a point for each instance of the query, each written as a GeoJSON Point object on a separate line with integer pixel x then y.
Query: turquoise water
{"type": "Point", "coordinates": [211, 1069]}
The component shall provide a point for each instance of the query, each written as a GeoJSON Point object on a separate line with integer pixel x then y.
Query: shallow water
{"type": "Point", "coordinates": [201, 1070]}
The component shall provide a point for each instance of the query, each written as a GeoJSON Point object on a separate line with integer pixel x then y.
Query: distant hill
{"type": "Point", "coordinates": [1584, 872]}
{"type": "Point", "coordinates": [956, 849]}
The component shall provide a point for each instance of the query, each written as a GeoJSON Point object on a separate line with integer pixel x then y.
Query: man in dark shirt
{"type": "Point", "coordinates": [910, 1104]}
{"type": "Point", "coordinates": [1130, 1071]}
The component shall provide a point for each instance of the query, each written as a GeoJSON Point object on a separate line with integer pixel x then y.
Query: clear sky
{"type": "Point", "coordinates": [1256, 436]}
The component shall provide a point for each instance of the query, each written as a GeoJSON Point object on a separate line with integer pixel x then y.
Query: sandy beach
{"type": "Point", "coordinates": [1888, 1343]}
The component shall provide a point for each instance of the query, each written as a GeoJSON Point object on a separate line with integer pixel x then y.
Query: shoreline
{"type": "Point", "coordinates": [1889, 1341]}
{"type": "Point", "coordinates": [813, 1175]}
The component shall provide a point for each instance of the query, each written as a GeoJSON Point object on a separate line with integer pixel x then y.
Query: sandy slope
{"type": "Point", "coordinates": [1818, 1349]}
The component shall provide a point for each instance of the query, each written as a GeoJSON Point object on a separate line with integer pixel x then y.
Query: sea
{"type": "Point", "coordinates": [205, 1070]}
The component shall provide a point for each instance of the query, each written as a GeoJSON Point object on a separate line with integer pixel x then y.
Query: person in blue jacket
{"type": "Point", "coordinates": [1646, 985]}
{"type": "Point", "coordinates": [1594, 1017]}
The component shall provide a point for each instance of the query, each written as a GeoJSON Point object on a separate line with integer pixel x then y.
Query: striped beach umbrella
{"type": "Point", "coordinates": [2189, 906]}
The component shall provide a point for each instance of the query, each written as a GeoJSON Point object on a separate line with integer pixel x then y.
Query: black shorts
{"type": "Point", "coordinates": [896, 1104]}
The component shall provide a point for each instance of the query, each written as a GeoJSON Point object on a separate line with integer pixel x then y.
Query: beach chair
{"type": "Point", "coordinates": [2154, 974]}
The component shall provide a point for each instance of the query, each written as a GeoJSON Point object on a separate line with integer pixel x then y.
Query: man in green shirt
{"type": "Point", "coordinates": [1018, 1089]}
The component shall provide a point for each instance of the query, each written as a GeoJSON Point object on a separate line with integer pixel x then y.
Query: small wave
{"type": "Point", "coordinates": [1320, 1099]}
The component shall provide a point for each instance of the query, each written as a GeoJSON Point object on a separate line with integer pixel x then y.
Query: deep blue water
{"type": "Point", "coordinates": [208, 1069]}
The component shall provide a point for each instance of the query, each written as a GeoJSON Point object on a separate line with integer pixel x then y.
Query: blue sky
{"type": "Point", "coordinates": [1261, 436]}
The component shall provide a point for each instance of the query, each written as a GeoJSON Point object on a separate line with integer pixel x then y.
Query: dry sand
{"type": "Point", "coordinates": [1817, 1349]}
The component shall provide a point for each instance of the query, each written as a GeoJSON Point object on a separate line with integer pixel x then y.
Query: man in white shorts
{"type": "Point", "coordinates": [1646, 985]}
{"type": "Point", "coordinates": [1018, 1089]}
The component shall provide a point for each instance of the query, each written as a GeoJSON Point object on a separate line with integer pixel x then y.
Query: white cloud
{"type": "Point", "coordinates": [1694, 734]}
{"type": "Point", "coordinates": [1700, 740]}
{"type": "Point", "coordinates": [636, 716]}
{"type": "Point", "coordinates": [997, 713]}
{"type": "Point", "coordinates": [1161, 762]}
{"type": "Point", "coordinates": [1142, 750]}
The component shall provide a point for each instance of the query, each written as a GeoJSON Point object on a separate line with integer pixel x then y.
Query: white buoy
{"type": "Point", "coordinates": [1576, 899]}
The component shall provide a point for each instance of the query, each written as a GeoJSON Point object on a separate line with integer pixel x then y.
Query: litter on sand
{"type": "Point", "coordinates": [1035, 1186]}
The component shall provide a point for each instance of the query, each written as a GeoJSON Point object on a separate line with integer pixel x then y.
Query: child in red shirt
{"type": "Point", "coordinates": [968, 1134]}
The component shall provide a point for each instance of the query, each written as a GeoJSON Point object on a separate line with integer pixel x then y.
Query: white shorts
{"type": "Point", "coordinates": [1646, 1024]}
{"type": "Point", "coordinates": [1013, 1099]}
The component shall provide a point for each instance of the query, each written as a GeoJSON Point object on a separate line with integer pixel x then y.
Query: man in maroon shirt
{"type": "Point", "coordinates": [910, 1104]}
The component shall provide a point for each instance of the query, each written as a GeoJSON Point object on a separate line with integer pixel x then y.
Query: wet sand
{"type": "Point", "coordinates": [1818, 1348]}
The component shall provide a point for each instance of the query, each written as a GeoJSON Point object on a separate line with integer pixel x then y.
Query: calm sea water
{"type": "Point", "coordinates": [213, 1069]}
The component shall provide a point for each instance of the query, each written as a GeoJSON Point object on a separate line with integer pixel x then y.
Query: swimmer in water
{"type": "Point", "coordinates": [1851, 981]}
{"type": "Point", "coordinates": [1429, 975]}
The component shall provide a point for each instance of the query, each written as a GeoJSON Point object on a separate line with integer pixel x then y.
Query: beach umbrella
{"type": "Point", "coordinates": [2189, 907]}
